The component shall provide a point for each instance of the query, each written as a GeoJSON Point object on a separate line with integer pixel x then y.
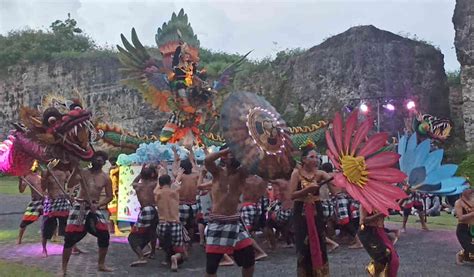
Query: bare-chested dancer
{"type": "Point", "coordinates": [56, 204]}
{"type": "Point", "coordinates": [205, 208]}
{"type": "Point", "coordinates": [85, 216]}
{"type": "Point", "coordinates": [280, 219]}
{"type": "Point", "coordinates": [465, 213]}
{"type": "Point", "coordinates": [144, 231]}
{"type": "Point", "coordinates": [253, 189]}
{"type": "Point", "coordinates": [225, 233]}
{"type": "Point", "coordinates": [170, 232]}
{"type": "Point", "coordinates": [187, 193]}
{"type": "Point", "coordinates": [35, 208]}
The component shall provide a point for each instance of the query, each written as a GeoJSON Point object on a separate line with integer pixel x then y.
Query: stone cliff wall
{"type": "Point", "coordinates": [363, 62]}
{"type": "Point", "coordinates": [463, 21]}
{"type": "Point", "coordinates": [97, 80]}
{"type": "Point", "coordinates": [456, 105]}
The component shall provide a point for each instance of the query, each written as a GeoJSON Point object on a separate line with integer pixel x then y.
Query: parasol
{"type": "Point", "coordinates": [255, 133]}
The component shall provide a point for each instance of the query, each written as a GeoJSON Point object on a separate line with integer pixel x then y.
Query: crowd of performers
{"type": "Point", "coordinates": [227, 206]}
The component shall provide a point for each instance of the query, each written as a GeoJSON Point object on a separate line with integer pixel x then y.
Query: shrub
{"type": "Point", "coordinates": [37, 45]}
{"type": "Point", "coordinates": [466, 168]}
{"type": "Point", "coordinates": [454, 77]}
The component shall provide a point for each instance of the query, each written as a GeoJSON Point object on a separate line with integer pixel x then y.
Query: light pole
{"type": "Point", "coordinates": [378, 115]}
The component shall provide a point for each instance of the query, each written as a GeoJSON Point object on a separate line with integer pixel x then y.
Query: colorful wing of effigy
{"type": "Point", "coordinates": [424, 169]}
{"type": "Point", "coordinates": [366, 174]}
{"type": "Point", "coordinates": [174, 83]}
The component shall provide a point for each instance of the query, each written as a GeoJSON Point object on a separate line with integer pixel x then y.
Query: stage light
{"type": "Point", "coordinates": [389, 107]}
{"type": "Point", "coordinates": [411, 105]}
{"type": "Point", "coordinates": [364, 108]}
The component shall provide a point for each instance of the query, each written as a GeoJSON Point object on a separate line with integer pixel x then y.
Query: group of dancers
{"type": "Point", "coordinates": [302, 210]}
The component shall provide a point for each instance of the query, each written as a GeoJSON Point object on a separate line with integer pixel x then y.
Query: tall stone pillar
{"type": "Point", "coordinates": [463, 21]}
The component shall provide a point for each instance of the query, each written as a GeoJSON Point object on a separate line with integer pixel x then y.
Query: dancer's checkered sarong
{"type": "Point", "coordinates": [225, 234]}
{"type": "Point", "coordinates": [187, 212]}
{"type": "Point", "coordinates": [147, 218]}
{"type": "Point", "coordinates": [171, 232]}
{"type": "Point", "coordinates": [328, 208]}
{"type": "Point", "coordinates": [58, 207]}
{"type": "Point", "coordinates": [248, 214]}
{"type": "Point", "coordinates": [283, 215]}
{"type": "Point", "coordinates": [341, 204]}
{"type": "Point", "coordinates": [77, 218]}
{"type": "Point", "coordinates": [33, 211]}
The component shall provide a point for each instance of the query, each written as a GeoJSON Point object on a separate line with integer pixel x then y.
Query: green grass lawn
{"type": "Point", "coordinates": [8, 269]}
{"type": "Point", "coordinates": [444, 221]}
{"type": "Point", "coordinates": [9, 185]}
{"type": "Point", "coordinates": [10, 235]}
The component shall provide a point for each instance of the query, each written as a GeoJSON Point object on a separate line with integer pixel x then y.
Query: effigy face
{"type": "Point", "coordinates": [59, 129]}
{"type": "Point", "coordinates": [436, 128]}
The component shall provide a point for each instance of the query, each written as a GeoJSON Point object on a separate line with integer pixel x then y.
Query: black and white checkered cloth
{"type": "Point", "coordinates": [56, 207]}
{"type": "Point", "coordinates": [283, 216]}
{"type": "Point", "coordinates": [198, 204]}
{"type": "Point", "coordinates": [78, 215]}
{"type": "Point", "coordinates": [171, 232]}
{"type": "Point", "coordinates": [355, 209]}
{"type": "Point", "coordinates": [328, 208]}
{"type": "Point", "coordinates": [266, 205]}
{"type": "Point", "coordinates": [187, 211]}
{"type": "Point", "coordinates": [224, 233]}
{"type": "Point", "coordinates": [33, 211]}
{"type": "Point", "coordinates": [248, 214]}
{"type": "Point", "coordinates": [341, 208]}
{"type": "Point", "coordinates": [147, 217]}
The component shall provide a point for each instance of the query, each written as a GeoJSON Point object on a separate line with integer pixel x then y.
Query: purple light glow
{"type": "Point", "coordinates": [117, 239]}
{"type": "Point", "coordinates": [411, 105]}
{"type": "Point", "coordinates": [35, 249]}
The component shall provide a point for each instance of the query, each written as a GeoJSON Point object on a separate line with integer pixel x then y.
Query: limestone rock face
{"type": "Point", "coordinates": [98, 81]}
{"type": "Point", "coordinates": [463, 21]}
{"type": "Point", "coordinates": [362, 62]}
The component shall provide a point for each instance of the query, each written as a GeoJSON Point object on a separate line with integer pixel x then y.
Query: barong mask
{"type": "Point", "coordinates": [59, 129]}
{"type": "Point", "coordinates": [430, 126]}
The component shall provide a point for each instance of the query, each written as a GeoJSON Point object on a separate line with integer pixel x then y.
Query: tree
{"type": "Point", "coordinates": [65, 28]}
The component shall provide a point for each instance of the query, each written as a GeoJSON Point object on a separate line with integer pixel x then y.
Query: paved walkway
{"type": "Point", "coordinates": [421, 254]}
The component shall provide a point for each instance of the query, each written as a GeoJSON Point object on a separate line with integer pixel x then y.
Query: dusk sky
{"type": "Point", "coordinates": [240, 26]}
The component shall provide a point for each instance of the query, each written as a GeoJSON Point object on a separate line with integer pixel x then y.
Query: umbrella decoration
{"type": "Point", "coordinates": [255, 133]}
{"type": "Point", "coordinates": [366, 173]}
{"type": "Point", "coordinates": [424, 170]}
